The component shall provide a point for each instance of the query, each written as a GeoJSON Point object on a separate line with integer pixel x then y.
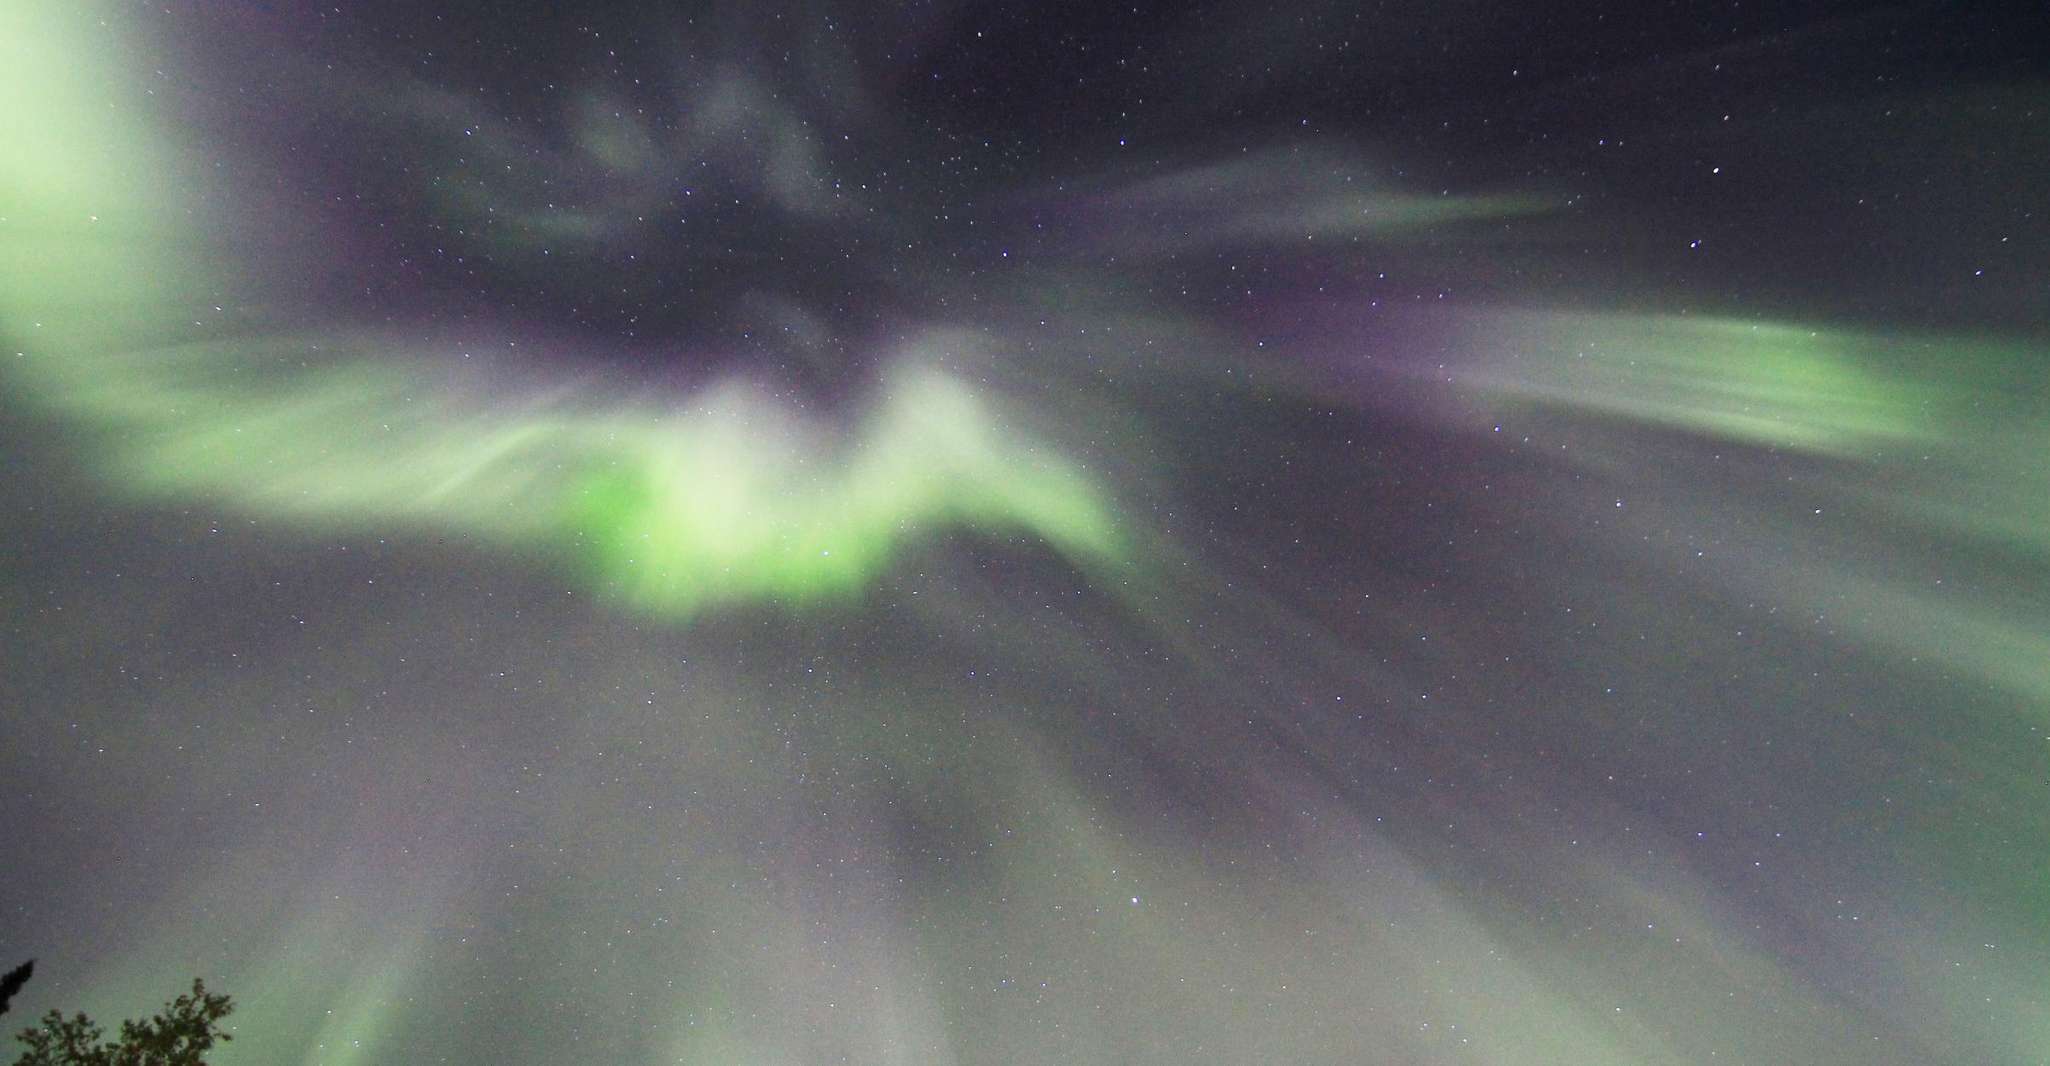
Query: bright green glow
{"type": "Point", "coordinates": [737, 498]}
{"type": "Point", "coordinates": [1777, 385]}
{"type": "Point", "coordinates": [85, 231]}
{"type": "Point", "coordinates": [711, 513]}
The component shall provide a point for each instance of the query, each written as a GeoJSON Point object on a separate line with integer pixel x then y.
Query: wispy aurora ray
{"type": "Point", "coordinates": [732, 496]}
{"type": "Point", "coordinates": [1266, 612]}
{"type": "Point", "coordinates": [1769, 384]}
{"type": "Point", "coordinates": [735, 497]}
{"type": "Point", "coordinates": [1922, 438]}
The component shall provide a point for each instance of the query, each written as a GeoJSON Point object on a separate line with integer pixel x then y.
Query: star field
{"type": "Point", "coordinates": [1067, 533]}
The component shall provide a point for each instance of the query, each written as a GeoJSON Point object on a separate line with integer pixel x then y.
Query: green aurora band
{"type": "Point", "coordinates": [737, 498]}
{"type": "Point", "coordinates": [734, 497]}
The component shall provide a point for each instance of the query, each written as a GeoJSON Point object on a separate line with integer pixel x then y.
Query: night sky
{"type": "Point", "coordinates": [1030, 533]}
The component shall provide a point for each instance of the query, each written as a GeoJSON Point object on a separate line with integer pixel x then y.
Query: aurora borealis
{"type": "Point", "coordinates": [974, 533]}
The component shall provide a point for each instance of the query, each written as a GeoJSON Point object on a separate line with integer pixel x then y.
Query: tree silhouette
{"type": "Point", "coordinates": [187, 1029]}
{"type": "Point", "coordinates": [12, 983]}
